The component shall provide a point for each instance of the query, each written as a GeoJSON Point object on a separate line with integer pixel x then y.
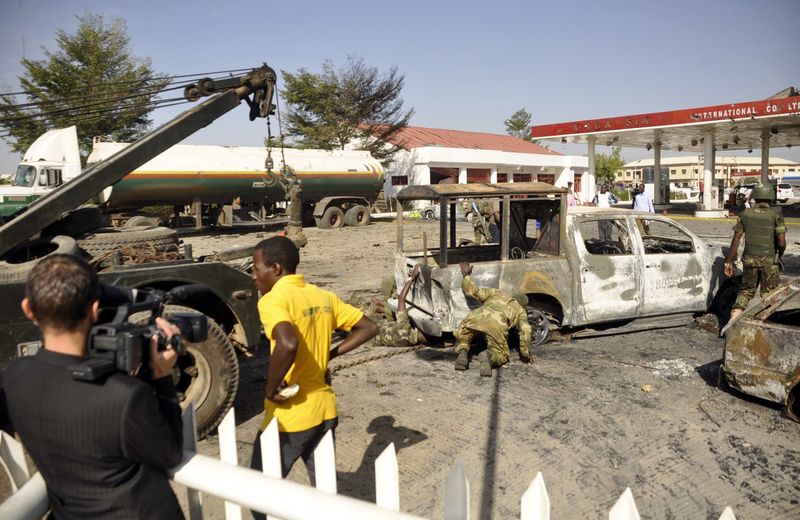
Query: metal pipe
{"type": "Point", "coordinates": [282, 498]}
{"type": "Point", "coordinates": [30, 501]}
{"type": "Point", "coordinates": [443, 232]}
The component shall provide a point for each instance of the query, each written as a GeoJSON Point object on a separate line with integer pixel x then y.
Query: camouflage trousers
{"type": "Point", "coordinates": [755, 270]}
{"type": "Point", "coordinates": [481, 229]}
{"type": "Point", "coordinates": [393, 333]}
{"type": "Point", "coordinates": [498, 350]}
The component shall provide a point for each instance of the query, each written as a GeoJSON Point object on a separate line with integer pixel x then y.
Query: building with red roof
{"type": "Point", "coordinates": [435, 155]}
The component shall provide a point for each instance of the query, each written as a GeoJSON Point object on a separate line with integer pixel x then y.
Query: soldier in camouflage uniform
{"type": "Point", "coordinates": [498, 314]}
{"type": "Point", "coordinates": [766, 236]}
{"type": "Point", "coordinates": [392, 332]}
{"type": "Point", "coordinates": [480, 224]}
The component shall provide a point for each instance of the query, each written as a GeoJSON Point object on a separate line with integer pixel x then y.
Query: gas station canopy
{"type": "Point", "coordinates": [735, 126]}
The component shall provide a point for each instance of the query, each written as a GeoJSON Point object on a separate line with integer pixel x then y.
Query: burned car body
{"type": "Point", "coordinates": [762, 349]}
{"type": "Point", "coordinates": [591, 266]}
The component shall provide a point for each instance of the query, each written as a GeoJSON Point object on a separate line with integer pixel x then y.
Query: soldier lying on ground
{"type": "Point", "coordinates": [394, 331]}
{"type": "Point", "coordinates": [498, 314]}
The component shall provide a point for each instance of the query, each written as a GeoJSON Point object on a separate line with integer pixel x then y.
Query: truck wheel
{"type": "Point", "coordinates": [208, 375]}
{"type": "Point", "coordinates": [540, 326]}
{"type": "Point", "coordinates": [357, 216]}
{"type": "Point", "coordinates": [20, 260]}
{"type": "Point", "coordinates": [104, 240]}
{"type": "Point", "coordinates": [76, 222]}
{"type": "Point", "coordinates": [429, 214]}
{"type": "Point", "coordinates": [332, 218]}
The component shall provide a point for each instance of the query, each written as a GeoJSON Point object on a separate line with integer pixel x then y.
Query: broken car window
{"type": "Point", "coordinates": [605, 237]}
{"type": "Point", "coordinates": [660, 237]}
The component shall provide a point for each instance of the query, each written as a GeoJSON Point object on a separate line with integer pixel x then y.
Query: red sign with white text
{"type": "Point", "coordinates": [730, 112]}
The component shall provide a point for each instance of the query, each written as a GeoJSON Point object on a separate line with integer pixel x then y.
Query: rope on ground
{"type": "Point", "coordinates": [375, 357]}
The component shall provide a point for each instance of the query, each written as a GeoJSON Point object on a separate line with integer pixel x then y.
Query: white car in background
{"type": "Point", "coordinates": [785, 192]}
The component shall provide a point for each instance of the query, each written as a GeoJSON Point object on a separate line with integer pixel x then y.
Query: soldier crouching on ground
{"type": "Point", "coordinates": [498, 314]}
{"type": "Point", "coordinates": [765, 233]}
{"type": "Point", "coordinates": [392, 332]}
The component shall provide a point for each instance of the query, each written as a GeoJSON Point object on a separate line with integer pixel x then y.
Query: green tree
{"type": "Point", "coordinates": [337, 107]}
{"type": "Point", "coordinates": [605, 166]}
{"type": "Point", "coordinates": [92, 81]}
{"type": "Point", "coordinates": [519, 124]}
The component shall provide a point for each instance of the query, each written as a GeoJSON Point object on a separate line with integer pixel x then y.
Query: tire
{"type": "Point", "coordinates": [104, 240]}
{"type": "Point", "coordinates": [140, 220]}
{"type": "Point", "coordinates": [207, 375]}
{"type": "Point", "coordinates": [20, 260]}
{"type": "Point", "coordinates": [429, 214]}
{"type": "Point", "coordinates": [357, 216]}
{"type": "Point", "coordinates": [76, 222]}
{"type": "Point", "coordinates": [540, 326]}
{"type": "Point", "coordinates": [331, 219]}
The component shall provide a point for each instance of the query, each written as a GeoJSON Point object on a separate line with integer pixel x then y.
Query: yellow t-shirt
{"type": "Point", "coordinates": [315, 314]}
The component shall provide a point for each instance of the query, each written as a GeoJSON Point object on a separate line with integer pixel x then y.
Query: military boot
{"type": "Point", "coordinates": [486, 364]}
{"type": "Point", "coordinates": [462, 361]}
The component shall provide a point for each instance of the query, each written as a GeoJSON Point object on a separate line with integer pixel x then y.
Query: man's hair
{"type": "Point", "coordinates": [60, 290]}
{"type": "Point", "coordinates": [281, 251]}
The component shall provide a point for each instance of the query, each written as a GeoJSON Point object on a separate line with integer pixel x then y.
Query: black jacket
{"type": "Point", "coordinates": [100, 446]}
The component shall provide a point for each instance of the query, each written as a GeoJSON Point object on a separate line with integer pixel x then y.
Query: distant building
{"type": "Point", "coordinates": [433, 156]}
{"type": "Point", "coordinates": [687, 171]}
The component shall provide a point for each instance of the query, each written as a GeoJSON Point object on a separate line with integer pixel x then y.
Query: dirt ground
{"type": "Point", "coordinates": [580, 415]}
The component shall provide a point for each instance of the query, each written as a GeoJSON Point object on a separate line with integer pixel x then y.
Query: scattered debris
{"type": "Point", "coordinates": [647, 388]}
{"type": "Point", "coordinates": [671, 367]}
{"type": "Point", "coordinates": [707, 322]}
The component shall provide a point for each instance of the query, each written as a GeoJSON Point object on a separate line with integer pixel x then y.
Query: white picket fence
{"type": "Point", "coordinates": [242, 487]}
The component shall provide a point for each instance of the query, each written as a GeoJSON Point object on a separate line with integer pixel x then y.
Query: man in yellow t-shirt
{"type": "Point", "coordinates": [299, 319]}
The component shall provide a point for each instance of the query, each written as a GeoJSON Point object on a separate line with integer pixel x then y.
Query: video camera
{"type": "Point", "coordinates": [121, 344]}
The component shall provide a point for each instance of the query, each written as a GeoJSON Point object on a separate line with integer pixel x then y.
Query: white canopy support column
{"type": "Point", "coordinates": [765, 157]}
{"type": "Point", "coordinates": [591, 183]}
{"type": "Point", "coordinates": [462, 176]}
{"type": "Point", "coordinates": [658, 190]}
{"type": "Point", "coordinates": [708, 171]}
{"type": "Point", "coordinates": [710, 206]}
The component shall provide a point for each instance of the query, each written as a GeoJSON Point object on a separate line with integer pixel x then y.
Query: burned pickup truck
{"type": "Point", "coordinates": [585, 270]}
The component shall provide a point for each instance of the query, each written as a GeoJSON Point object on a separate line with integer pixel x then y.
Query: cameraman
{"type": "Point", "coordinates": [101, 446]}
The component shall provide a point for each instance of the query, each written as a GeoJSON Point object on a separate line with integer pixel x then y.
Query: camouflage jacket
{"type": "Point", "coordinates": [498, 314]}
{"type": "Point", "coordinates": [393, 331]}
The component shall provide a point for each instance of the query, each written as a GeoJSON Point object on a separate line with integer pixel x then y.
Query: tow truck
{"type": "Point", "coordinates": [209, 374]}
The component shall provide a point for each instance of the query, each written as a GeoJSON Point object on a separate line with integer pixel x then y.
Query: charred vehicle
{"type": "Point", "coordinates": [762, 357]}
{"type": "Point", "coordinates": [208, 374]}
{"type": "Point", "coordinates": [585, 271]}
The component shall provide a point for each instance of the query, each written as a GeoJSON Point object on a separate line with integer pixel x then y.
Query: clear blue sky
{"type": "Point", "coordinates": [467, 65]}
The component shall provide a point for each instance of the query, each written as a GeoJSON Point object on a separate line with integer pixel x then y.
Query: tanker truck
{"type": "Point", "coordinates": [49, 162]}
{"type": "Point", "coordinates": [339, 186]}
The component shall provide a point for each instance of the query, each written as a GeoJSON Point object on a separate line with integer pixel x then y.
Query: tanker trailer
{"type": "Point", "coordinates": [339, 186]}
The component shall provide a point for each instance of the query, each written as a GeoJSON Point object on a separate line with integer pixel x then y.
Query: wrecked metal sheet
{"type": "Point", "coordinates": [762, 349]}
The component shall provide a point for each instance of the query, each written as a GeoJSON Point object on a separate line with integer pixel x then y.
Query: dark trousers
{"type": "Point", "coordinates": [294, 445]}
